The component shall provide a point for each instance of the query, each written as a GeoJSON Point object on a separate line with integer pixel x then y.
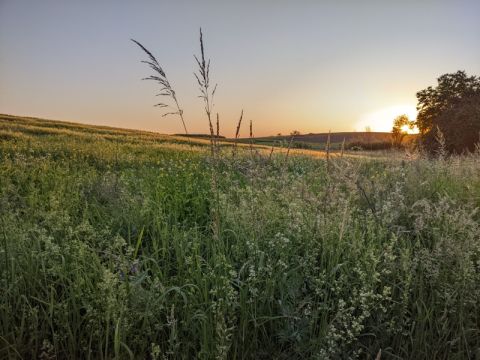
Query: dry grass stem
{"type": "Point", "coordinates": [166, 88]}
{"type": "Point", "coordinates": [237, 134]}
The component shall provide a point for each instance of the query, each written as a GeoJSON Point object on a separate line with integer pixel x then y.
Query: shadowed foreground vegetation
{"type": "Point", "coordinates": [122, 244]}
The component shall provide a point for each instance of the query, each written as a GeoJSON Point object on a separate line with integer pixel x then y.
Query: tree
{"type": "Point", "coordinates": [453, 107]}
{"type": "Point", "coordinates": [400, 126]}
{"type": "Point", "coordinates": [295, 133]}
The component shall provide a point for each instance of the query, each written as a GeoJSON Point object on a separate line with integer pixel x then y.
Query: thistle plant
{"type": "Point", "coordinates": [166, 88]}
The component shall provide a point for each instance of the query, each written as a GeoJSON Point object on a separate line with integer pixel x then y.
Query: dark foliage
{"type": "Point", "coordinates": [453, 107]}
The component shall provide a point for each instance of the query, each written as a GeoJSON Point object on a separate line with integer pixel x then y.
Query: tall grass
{"type": "Point", "coordinates": [108, 250]}
{"type": "Point", "coordinates": [206, 92]}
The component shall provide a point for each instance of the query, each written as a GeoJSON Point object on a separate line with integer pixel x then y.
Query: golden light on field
{"type": "Point", "coordinates": [382, 120]}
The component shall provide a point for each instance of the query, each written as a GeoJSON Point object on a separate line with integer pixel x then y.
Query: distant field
{"type": "Point", "coordinates": [124, 244]}
{"type": "Point", "coordinates": [335, 137]}
{"type": "Point", "coordinates": [11, 126]}
{"type": "Point", "coordinates": [319, 141]}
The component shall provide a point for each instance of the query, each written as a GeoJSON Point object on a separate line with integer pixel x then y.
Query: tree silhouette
{"type": "Point", "coordinates": [453, 107]}
{"type": "Point", "coordinates": [399, 130]}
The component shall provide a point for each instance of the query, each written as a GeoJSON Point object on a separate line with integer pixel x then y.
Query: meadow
{"type": "Point", "coordinates": [319, 141]}
{"type": "Point", "coordinates": [121, 244]}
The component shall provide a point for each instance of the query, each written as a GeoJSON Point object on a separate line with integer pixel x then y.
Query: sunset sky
{"type": "Point", "coordinates": [311, 66]}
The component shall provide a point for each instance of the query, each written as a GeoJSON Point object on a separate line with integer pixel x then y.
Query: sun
{"type": "Point", "coordinates": [382, 120]}
{"type": "Point", "coordinates": [406, 129]}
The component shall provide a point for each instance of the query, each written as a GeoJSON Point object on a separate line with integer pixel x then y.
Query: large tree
{"type": "Point", "coordinates": [453, 107]}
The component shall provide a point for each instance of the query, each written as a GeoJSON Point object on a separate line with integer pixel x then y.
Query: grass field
{"type": "Point", "coordinates": [121, 244]}
{"type": "Point", "coordinates": [319, 141]}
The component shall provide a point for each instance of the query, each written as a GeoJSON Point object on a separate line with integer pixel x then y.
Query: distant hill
{"type": "Point", "coordinates": [200, 136]}
{"type": "Point", "coordinates": [319, 140]}
{"type": "Point", "coordinates": [12, 126]}
{"type": "Point", "coordinates": [335, 137]}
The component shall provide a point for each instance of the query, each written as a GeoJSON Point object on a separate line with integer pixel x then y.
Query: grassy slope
{"type": "Point", "coordinates": [18, 126]}
{"type": "Point", "coordinates": [108, 250]}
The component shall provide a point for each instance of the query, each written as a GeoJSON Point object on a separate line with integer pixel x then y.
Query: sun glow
{"type": "Point", "coordinates": [382, 120]}
{"type": "Point", "coordinates": [408, 130]}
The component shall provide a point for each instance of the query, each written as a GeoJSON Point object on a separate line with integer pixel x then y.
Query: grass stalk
{"type": "Point", "coordinates": [327, 151]}
{"type": "Point", "coordinates": [166, 89]}
{"type": "Point", "coordinates": [237, 134]}
{"type": "Point", "coordinates": [251, 138]}
{"type": "Point", "coordinates": [203, 80]}
{"type": "Point", "coordinates": [288, 149]}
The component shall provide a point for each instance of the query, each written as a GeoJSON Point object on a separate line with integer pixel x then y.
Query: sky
{"type": "Point", "coordinates": [305, 65]}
